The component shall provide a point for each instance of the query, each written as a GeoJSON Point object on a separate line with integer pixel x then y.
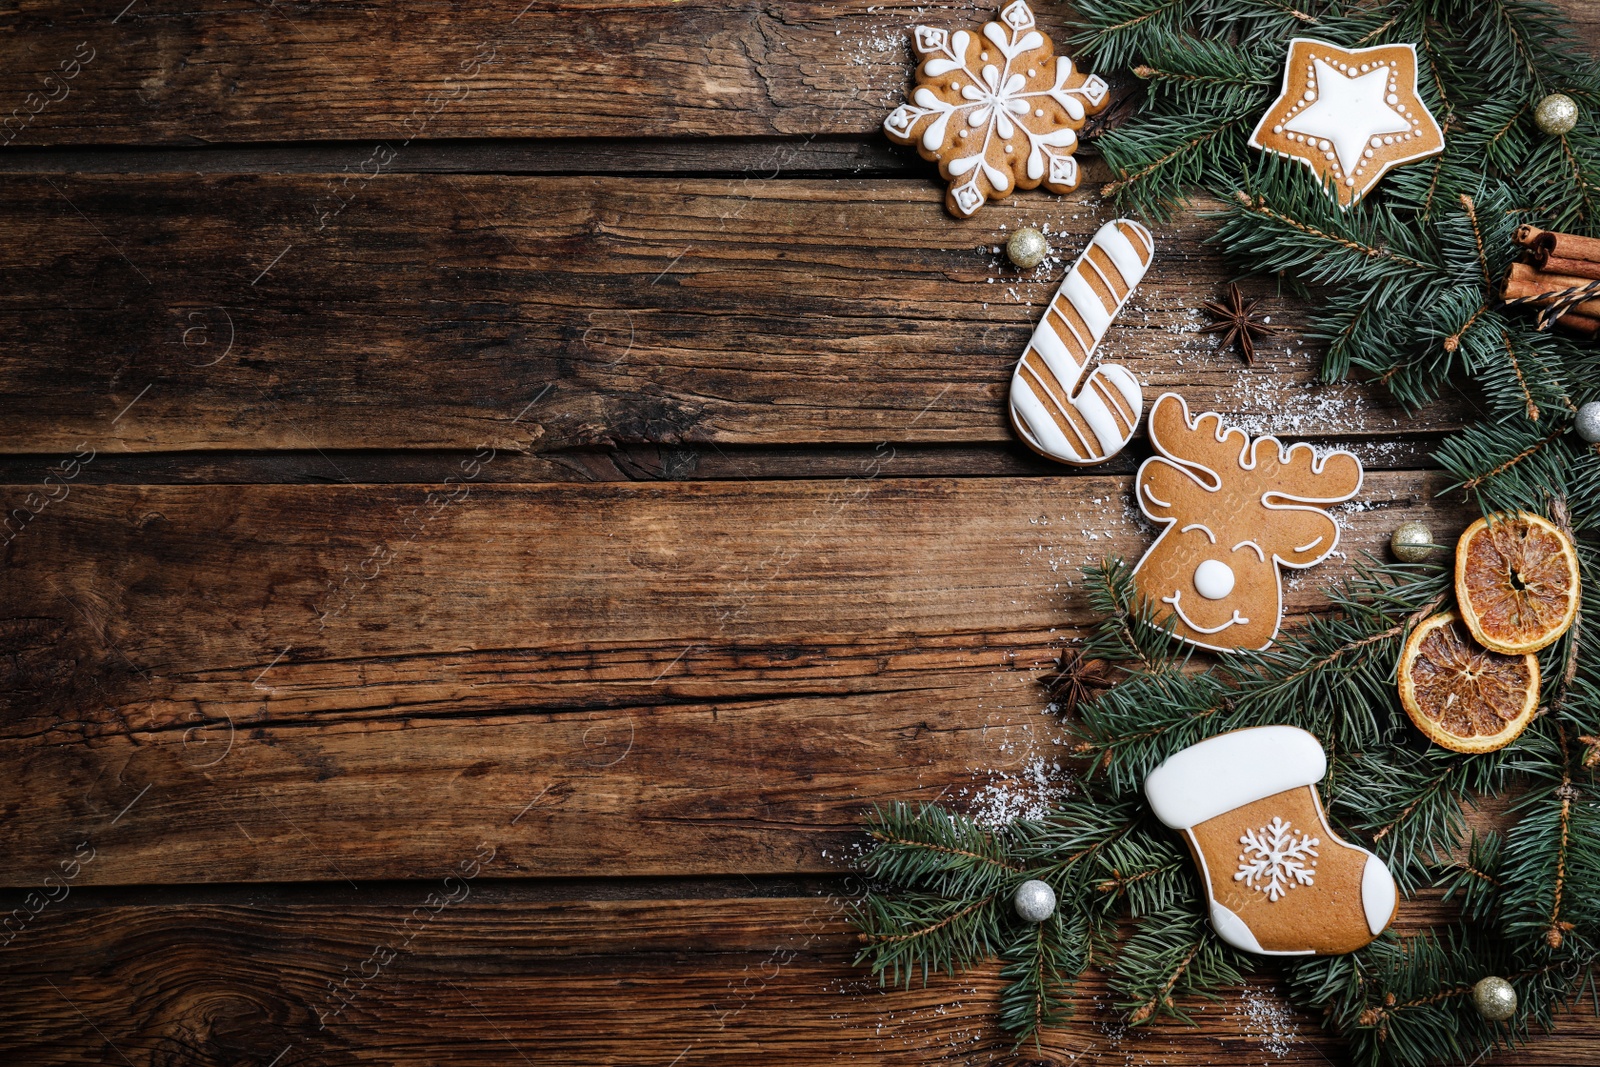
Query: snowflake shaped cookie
{"type": "Point", "coordinates": [996, 111]}
{"type": "Point", "coordinates": [1349, 114]}
{"type": "Point", "coordinates": [1274, 859]}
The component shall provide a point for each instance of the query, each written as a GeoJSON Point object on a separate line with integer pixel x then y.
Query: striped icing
{"type": "Point", "coordinates": [1056, 409]}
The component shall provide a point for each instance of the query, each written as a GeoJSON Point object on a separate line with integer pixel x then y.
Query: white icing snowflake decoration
{"type": "Point", "coordinates": [1273, 861]}
{"type": "Point", "coordinates": [998, 110]}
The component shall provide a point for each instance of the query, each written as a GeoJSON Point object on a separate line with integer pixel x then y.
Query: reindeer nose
{"type": "Point", "coordinates": [1213, 579]}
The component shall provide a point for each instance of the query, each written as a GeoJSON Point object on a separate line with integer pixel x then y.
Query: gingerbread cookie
{"type": "Point", "coordinates": [996, 110]}
{"type": "Point", "coordinates": [1057, 414]}
{"type": "Point", "coordinates": [1280, 882]}
{"type": "Point", "coordinates": [1233, 512]}
{"type": "Point", "coordinates": [1349, 114]}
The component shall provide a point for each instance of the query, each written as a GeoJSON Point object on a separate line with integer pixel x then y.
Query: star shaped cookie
{"type": "Point", "coordinates": [997, 110]}
{"type": "Point", "coordinates": [1349, 114]}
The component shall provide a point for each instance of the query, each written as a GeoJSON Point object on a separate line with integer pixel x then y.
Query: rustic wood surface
{"type": "Point", "coordinates": [537, 475]}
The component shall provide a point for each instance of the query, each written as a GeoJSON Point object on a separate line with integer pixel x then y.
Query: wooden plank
{"type": "Point", "coordinates": [176, 313]}
{"type": "Point", "coordinates": [165, 72]}
{"type": "Point", "coordinates": [423, 981]}
{"type": "Point", "coordinates": [314, 683]}
{"type": "Point", "coordinates": [162, 72]}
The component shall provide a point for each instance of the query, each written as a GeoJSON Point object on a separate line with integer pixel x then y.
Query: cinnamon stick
{"type": "Point", "coordinates": [1561, 253]}
{"type": "Point", "coordinates": [1582, 325]}
{"type": "Point", "coordinates": [1525, 281]}
{"type": "Point", "coordinates": [1527, 235]}
{"type": "Point", "coordinates": [1587, 269]}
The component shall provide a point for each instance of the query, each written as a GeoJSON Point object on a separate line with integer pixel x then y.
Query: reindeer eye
{"type": "Point", "coordinates": [1213, 579]}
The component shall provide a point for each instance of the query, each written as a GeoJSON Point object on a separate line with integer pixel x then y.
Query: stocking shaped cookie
{"type": "Point", "coordinates": [1234, 512]}
{"type": "Point", "coordinates": [1056, 410]}
{"type": "Point", "coordinates": [996, 110]}
{"type": "Point", "coordinates": [1279, 880]}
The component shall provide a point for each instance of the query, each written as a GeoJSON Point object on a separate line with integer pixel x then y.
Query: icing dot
{"type": "Point", "coordinates": [1366, 66]}
{"type": "Point", "coordinates": [984, 56]}
{"type": "Point", "coordinates": [1009, 148]}
{"type": "Point", "coordinates": [1277, 129]}
{"type": "Point", "coordinates": [1377, 142]}
{"type": "Point", "coordinates": [1368, 153]}
{"type": "Point", "coordinates": [1393, 99]}
{"type": "Point", "coordinates": [1324, 145]}
{"type": "Point", "coordinates": [962, 133]}
{"type": "Point", "coordinates": [1388, 140]}
{"type": "Point", "coordinates": [955, 85]}
{"type": "Point", "coordinates": [1038, 112]}
{"type": "Point", "coordinates": [1310, 95]}
{"type": "Point", "coordinates": [1213, 579]}
{"type": "Point", "coordinates": [1349, 181]}
{"type": "Point", "coordinates": [1328, 154]}
{"type": "Point", "coordinates": [1032, 73]}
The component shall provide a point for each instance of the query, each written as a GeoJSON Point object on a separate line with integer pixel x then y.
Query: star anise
{"type": "Point", "coordinates": [1236, 320]}
{"type": "Point", "coordinates": [1081, 679]}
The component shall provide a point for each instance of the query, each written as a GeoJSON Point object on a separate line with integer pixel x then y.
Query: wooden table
{"type": "Point", "coordinates": [503, 489]}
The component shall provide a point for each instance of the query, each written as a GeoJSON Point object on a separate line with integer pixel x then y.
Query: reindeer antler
{"type": "Point", "coordinates": [1203, 443]}
{"type": "Point", "coordinates": [1299, 474]}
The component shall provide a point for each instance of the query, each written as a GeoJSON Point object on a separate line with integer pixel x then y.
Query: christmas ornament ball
{"type": "Point", "coordinates": [1588, 424]}
{"type": "Point", "coordinates": [1027, 248]}
{"type": "Point", "coordinates": [1556, 114]}
{"type": "Point", "coordinates": [1035, 901]}
{"type": "Point", "coordinates": [1412, 542]}
{"type": "Point", "coordinates": [1494, 998]}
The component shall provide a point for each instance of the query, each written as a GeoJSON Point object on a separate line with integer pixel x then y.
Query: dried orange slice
{"type": "Point", "coordinates": [1516, 581]}
{"type": "Point", "coordinates": [1462, 695]}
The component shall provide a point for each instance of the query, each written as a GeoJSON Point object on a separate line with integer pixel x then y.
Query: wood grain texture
{"type": "Point", "coordinates": [175, 313]}
{"type": "Point", "coordinates": [172, 72]}
{"type": "Point", "coordinates": [341, 682]}
{"type": "Point", "coordinates": [580, 982]}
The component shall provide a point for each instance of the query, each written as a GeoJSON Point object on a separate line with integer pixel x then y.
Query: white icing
{"type": "Point", "coordinates": [1076, 289]}
{"type": "Point", "coordinates": [1262, 556]}
{"type": "Point", "coordinates": [1213, 579]}
{"type": "Point", "coordinates": [1277, 858]}
{"type": "Point", "coordinates": [1177, 609]}
{"type": "Point", "coordinates": [1126, 383]}
{"type": "Point", "coordinates": [1034, 421]}
{"type": "Point", "coordinates": [1347, 111]}
{"type": "Point", "coordinates": [1344, 108]}
{"type": "Point", "coordinates": [1234, 930]}
{"type": "Point", "coordinates": [1202, 527]}
{"type": "Point", "coordinates": [1378, 894]}
{"type": "Point", "coordinates": [1090, 426]}
{"type": "Point", "coordinates": [1232, 770]}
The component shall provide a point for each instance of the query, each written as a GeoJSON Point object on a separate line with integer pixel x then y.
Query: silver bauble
{"type": "Point", "coordinates": [1027, 248]}
{"type": "Point", "coordinates": [1035, 901]}
{"type": "Point", "coordinates": [1411, 542]}
{"type": "Point", "coordinates": [1556, 115]}
{"type": "Point", "coordinates": [1494, 998]}
{"type": "Point", "coordinates": [1588, 424]}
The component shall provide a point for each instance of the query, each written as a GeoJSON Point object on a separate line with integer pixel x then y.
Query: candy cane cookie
{"type": "Point", "coordinates": [1056, 414]}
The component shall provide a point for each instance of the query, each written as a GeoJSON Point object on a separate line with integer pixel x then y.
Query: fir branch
{"type": "Point", "coordinates": [1170, 956]}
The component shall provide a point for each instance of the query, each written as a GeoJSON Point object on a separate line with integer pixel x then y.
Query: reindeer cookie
{"type": "Point", "coordinates": [1233, 511]}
